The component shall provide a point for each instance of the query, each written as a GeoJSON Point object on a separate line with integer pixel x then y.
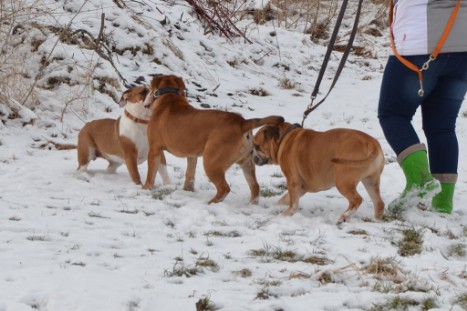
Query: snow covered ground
{"type": "Point", "coordinates": [106, 244]}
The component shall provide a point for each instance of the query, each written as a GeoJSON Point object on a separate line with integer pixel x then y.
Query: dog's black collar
{"type": "Point", "coordinates": [167, 90]}
{"type": "Point", "coordinates": [290, 129]}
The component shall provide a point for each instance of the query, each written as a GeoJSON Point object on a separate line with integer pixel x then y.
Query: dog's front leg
{"type": "Point", "coordinates": [189, 184]}
{"type": "Point", "coordinates": [154, 159]}
{"type": "Point", "coordinates": [130, 155]}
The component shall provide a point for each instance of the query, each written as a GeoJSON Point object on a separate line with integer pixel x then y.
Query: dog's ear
{"type": "Point", "coordinates": [155, 82]}
{"type": "Point", "coordinates": [144, 92]}
{"type": "Point", "coordinates": [180, 84]}
{"type": "Point", "coordinates": [123, 99]}
{"type": "Point", "coordinates": [272, 132]}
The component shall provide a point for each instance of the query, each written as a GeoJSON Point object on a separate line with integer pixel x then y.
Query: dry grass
{"type": "Point", "coordinates": [22, 36]}
{"type": "Point", "coordinates": [15, 43]}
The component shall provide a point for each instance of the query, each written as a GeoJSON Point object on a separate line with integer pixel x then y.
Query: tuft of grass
{"type": "Point", "coordinates": [428, 304]}
{"type": "Point", "coordinates": [265, 294]}
{"type": "Point", "coordinates": [269, 192]}
{"type": "Point", "coordinates": [96, 215]}
{"type": "Point", "coordinates": [277, 175]}
{"type": "Point", "coordinates": [259, 92]}
{"type": "Point", "coordinates": [244, 273]}
{"type": "Point", "coordinates": [230, 234]}
{"type": "Point", "coordinates": [284, 255]}
{"type": "Point", "coordinates": [127, 211]}
{"type": "Point", "coordinates": [299, 275]}
{"type": "Point", "coordinates": [461, 300]}
{"type": "Point", "coordinates": [317, 260]}
{"type": "Point", "coordinates": [205, 262]}
{"type": "Point", "coordinates": [457, 250]}
{"type": "Point", "coordinates": [41, 238]}
{"type": "Point", "coordinates": [411, 242]}
{"type": "Point", "coordinates": [326, 278]}
{"type": "Point", "coordinates": [287, 255]}
{"type": "Point", "coordinates": [396, 303]}
{"type": "Point", "coordinates": [358, 232]}
{"type": "Point", "coordinates": [179, 269]}
{"type": "Point", "coordinates": [205, 304]}
{"type": "Point", "coordinates": [286, 84]}
{"type": "Point", "coordinates": [402, 303]}
{"type": "Point", "coordinates": [160, 194]}
{"type": "Point", "coordinates": [382, 267]}
{"type": "Point", "coordinates": [263, 252]}
{"type": "Point", "coordinates": [398, 286]}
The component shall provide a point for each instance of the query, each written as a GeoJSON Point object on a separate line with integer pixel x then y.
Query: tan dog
{"type": "Point", "coordinates": [221, 138]}
{"type": "Point", "coordinates": [314, 161]}
{"type": "Point", "coordinates": [120, 141]}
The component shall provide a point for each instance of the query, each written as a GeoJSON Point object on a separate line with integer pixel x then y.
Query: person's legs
{"type": "Point", "coordinates": [399, 101]}
{"type": "Point", "coordinates": [439, 114]}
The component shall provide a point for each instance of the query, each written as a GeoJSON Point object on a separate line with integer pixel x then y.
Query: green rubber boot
{"type": "Point", "coordinates": [420, 184]}
{"type": "Point", "coordinates": [442, 202]}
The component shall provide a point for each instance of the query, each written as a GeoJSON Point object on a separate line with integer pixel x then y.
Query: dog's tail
{"type": "Point", "coordinates": [251, 124]}
{"type": "Point", "coordinates": [60, 146]}
{"type": "Point", "coordinates": [370, 158]}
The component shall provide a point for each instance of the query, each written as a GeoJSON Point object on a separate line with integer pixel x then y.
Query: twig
{"type": "Point", "coordinates": [218, 20]}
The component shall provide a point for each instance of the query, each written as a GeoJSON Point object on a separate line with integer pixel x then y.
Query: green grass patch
{"type": "Point", "coordinates": [411, 242]}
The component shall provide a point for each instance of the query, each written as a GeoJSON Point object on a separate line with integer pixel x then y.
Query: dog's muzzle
{"type": "Point", "coordinates": [259, 160]}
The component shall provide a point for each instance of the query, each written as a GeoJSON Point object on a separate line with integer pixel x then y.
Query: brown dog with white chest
{"type": "Point", "coordinates": [315, 161]}
{"type": "Point", "coordinates": [120, 141]}
{"type": "Point", "coordinates": [221, 138]}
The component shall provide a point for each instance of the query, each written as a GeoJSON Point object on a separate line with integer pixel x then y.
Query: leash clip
{"type": "Point", "coordinates": [426, 65]}
{"type": "Point", "coordinates": [311, 102]}
{"type": "Point", "coordinates": [309, 108]}
{"type": "Point", "coordinates": [421, 91]}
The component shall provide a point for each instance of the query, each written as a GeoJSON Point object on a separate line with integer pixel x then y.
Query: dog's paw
{"type": "Point", "coordinates": [147, 186]}
{"type": "Point", "coordinates": [288, 212]}
{"type": "Point", "coordinates": [84, 176]}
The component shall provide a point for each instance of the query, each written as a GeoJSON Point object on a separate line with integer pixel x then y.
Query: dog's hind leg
{"type": "Point", "coordinates": [217, 176]}
{"type": "Point", "coordinates": [285, 199]}
{"type": "Point", "coordinates": [112, 168]}
{"type": "Point", "coordinates": [248, 168]}
{"type": "Point", "coordinates": [371, 184]}
{"type": "Point", "coordinates": [163, 170]}
{"type": "Point", "coordinates": [294, 193]}
{"type": "Point", "coordinates": [189, 184]}
{"type": "Point", "coordinates": [86, 153]}
{"type": "Point", "coordinates": [349, 190]}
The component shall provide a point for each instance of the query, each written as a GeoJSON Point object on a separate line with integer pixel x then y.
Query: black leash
{"type": "Point", "coordinates": [346, 53]}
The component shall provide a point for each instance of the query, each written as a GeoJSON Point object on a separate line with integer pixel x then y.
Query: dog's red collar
{"type": "Point", "coordinates": [135, 119]}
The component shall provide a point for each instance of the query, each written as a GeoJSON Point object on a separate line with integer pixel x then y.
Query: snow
{"type": "Point", "coordinates": [106, 244]}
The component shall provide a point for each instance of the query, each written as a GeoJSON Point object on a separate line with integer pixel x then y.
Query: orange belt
{"type": "Point", "coordinates": [435, 52]}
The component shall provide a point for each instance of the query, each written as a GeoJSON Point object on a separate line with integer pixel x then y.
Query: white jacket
{"type": "Point", "coordinates": [418, 25]}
